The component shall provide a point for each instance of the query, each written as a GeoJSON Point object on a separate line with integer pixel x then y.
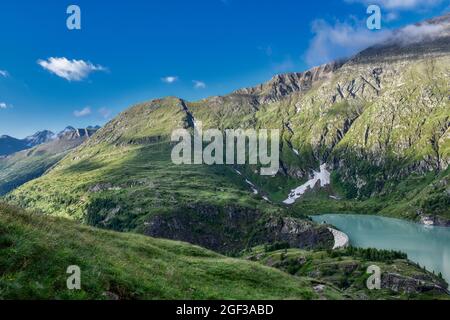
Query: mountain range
{"type": "Point", "coordinates": [43, 150]}
{"type": "Point", "coordinates": [369, 134]}
{"type": "Point", "coordinates": [10, 145]}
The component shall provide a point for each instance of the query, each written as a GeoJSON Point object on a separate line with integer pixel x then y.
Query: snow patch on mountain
{"type": "Point", "coordinates": [323, 176]}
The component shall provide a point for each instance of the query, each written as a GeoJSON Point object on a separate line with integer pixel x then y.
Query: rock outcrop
{"type": "Point", "coordinates": [232, 229]}
{"type": "Point", "coordinates": [419, 284]}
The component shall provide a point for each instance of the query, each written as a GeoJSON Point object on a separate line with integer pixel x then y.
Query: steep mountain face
{"type": "Point", "coordinates": [378, 124]}
{"type": "Point", "coordinates": [29, 164]}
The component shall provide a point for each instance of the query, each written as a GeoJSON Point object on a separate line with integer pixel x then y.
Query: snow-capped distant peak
{"type": "Point", "coordinates": [39, 138]}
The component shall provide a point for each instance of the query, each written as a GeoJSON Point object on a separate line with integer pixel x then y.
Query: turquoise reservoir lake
{"type": "Point", "coordinates": [427, 245]}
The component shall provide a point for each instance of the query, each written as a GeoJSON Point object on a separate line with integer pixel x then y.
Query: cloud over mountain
{"type": "Point", "coordinates": [344, 39]}
{"type": "Point", "coordinates": [341, 39]}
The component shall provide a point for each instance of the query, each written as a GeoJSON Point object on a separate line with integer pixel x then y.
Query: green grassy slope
{"type": "Point", "coordinates": [128, 163]}
{"type": "Point", "coordinates": [35, 252]}
{"type": "Point", "coordinates": [123, 179]}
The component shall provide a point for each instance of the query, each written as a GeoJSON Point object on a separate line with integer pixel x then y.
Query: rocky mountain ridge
{"type": "Point", "coordinates": [282, 85]}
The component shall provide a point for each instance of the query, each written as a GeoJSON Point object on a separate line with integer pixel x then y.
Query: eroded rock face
{"type": "Point", "coordinates": [419, 284]}
{"type": "Point", "coordinates": [211, 227]}
{"type": "Point", "coordinates": [233, 228]}
{"type": "Point", "coordinates": [298, 233]}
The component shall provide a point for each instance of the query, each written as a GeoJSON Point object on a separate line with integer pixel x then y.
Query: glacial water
{"type": "Point", "coordinates": [427, 245]}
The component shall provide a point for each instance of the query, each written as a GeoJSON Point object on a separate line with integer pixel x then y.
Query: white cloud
{"type": "Point", "coordinates": [344, 39]}
{"type": "Point", "coordinates": [169, 79]}
{"type": "Point", "coordinates": [82, 113]}
{"type": "Point", "coordinates": [400, 4]}
{"type": "Point", "coordinates": [3, 105]}
{"type": "Point", "coordinates": [105, 112]}
{"type": "Point", "coordinates": [71, 70]}
{"type": "Point", "coordinates": [4, 73]}
{"type": "Point", "coordinates": [199, 84]}
{"type": "Point", "coordinates": [417, 33]}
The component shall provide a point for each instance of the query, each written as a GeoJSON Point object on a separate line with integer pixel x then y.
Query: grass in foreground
{"type": "Point", "coordinates": [35, 252]}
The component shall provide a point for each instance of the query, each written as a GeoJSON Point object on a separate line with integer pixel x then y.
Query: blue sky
{"type": "Point", "coordinates": [133, 51]}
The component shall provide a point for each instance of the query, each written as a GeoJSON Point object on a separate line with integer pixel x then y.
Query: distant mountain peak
{"type": "Point", "coordinates": [39, 137]}
{"type": "Point", "coordinates": [68, 129]}
{"type": "Point", "coordinates": [71, 133]}
{"type": "Point", "coordinates": [10, 145]}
